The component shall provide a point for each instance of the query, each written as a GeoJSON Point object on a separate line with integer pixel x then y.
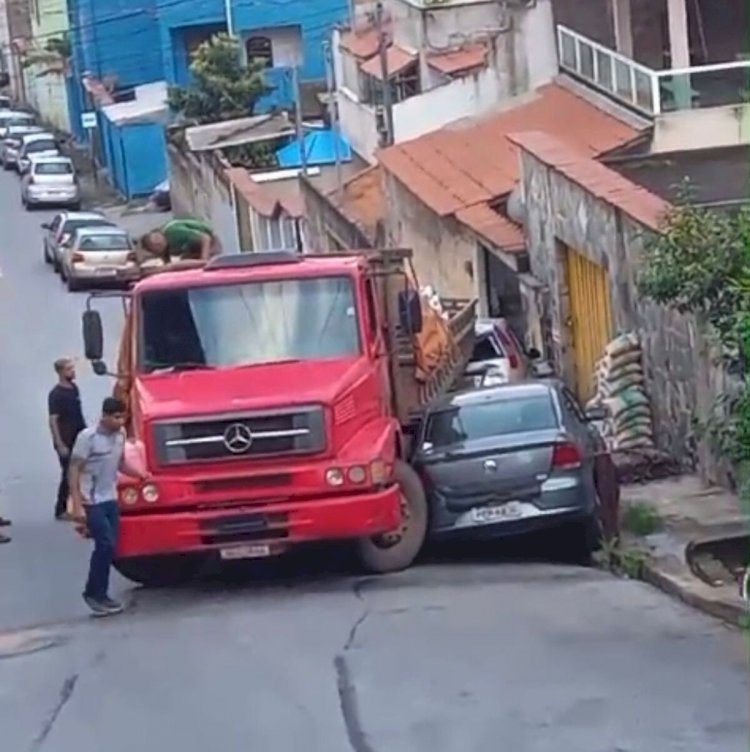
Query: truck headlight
{"type": "Point", "coordinates": [334, 477]}
{"type": "Point", "coordinates": [150, 493]}
{"type": "Point", "coordinates": [357, 474]}
{"type": "Point", "coordinates": [129, 496]}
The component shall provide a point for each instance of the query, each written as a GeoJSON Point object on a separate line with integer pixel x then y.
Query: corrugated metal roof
{"type": "Point", "coordinates": [150, 104]}
{"type": "Point", "coordinates": [237, 132]}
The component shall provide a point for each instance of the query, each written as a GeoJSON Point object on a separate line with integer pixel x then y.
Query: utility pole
{"type": "Point", "coordinates": [299, 127]}
{"type": "Point", "coordinates": [383, 52]}
{"type": "Point", "coordinates": [229, 16]}
{"type": "Point", "coordinates": [333, 111]}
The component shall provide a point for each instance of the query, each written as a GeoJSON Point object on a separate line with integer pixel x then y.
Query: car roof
{"type": "Point", "coordinates": [105, 230]}
{"type": "Point", "coordinates": [519, 389]}
{"type": "Point", "coordinates": [24, 129]}
{"type": "Point", "coordinates": [43, 136]}
{"type": "Point", "coordinates": [487, 326]}
{"type": "Point", "coordinates": [16, 113]}
{"type": "Point", "coordinates": [36, 158]}
{"type": "Point", "coordinates": [82, 215]}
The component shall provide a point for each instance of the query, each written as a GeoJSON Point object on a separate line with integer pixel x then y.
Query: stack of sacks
{"type": "Point", "coordinates": [620, 388]}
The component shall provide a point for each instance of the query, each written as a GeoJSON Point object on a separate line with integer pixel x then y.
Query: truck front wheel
{"type": "Point", "coordinates": [392, 552]}
{"type": "Point", "coordinates": [157, 571]}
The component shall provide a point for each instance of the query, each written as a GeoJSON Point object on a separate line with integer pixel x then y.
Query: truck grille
{"type": "Point", "coordinates": [293, 431]}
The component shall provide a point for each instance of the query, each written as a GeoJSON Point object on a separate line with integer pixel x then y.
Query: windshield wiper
{"type": "Point", "coordinates": [174, 367]}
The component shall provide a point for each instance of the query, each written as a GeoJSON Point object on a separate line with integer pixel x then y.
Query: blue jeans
{"type": "Point", "coordinates": [103, 521]}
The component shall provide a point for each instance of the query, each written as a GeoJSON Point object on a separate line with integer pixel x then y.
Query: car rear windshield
{"type": "Point", "coordinates": [105, 243]}
{"type": "Point", "coordinates": [485, 348]}
{"type": "Point", "coordinates": [500, 417]}
{"type": "Point", "coordinates": [73, 224]}
{"type": "Point", "coordinates": [37, 146]}
{"type": "Point", "coordinates": [53, 168]}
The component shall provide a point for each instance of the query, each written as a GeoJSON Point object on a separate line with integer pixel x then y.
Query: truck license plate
{"type": "Point", "coordinates": [511, 510]}
{"type": "Point", "coordinates": [254, 551]}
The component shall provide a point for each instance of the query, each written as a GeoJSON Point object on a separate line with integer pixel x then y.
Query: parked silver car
{"type": "Point", "coordinates": [59, 232]}
{"type": "Point", "coordinates": [51, 181]}
{"type": "Point", "coordinates": [11, 144]}
{"type": "Point", "coordinates": [511, 459]}
{"type": "Point", "coordinates": [96, 255]}
{"type": "Point", "coordinates": [35, 145]}
{"type": "Point", "coordinates": [9, 118]}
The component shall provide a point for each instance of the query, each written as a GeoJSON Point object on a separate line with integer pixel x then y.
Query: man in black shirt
{"type": "Point", "coordinates": [65, 423]}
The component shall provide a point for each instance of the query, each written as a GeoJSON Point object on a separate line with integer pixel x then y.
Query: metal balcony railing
{"type": "Point", "coordinates": [649, 91]}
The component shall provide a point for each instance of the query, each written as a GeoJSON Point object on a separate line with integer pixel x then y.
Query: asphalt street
{"type": "Point", "coordinates": [461, 655]}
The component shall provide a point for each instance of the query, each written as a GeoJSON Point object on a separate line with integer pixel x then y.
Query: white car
{"type": "Point", "coordinates": [96, 255]}
{"type": "Point", "coordinates": [51, 181]}
{"type": "Point", "coordinates": [37, 145]}
{"type": "Point", "coordinates": [498, 356]}
{"type": "Point", "coordinates": [10, 118]}
{"type": "Point", "coordinates": [11, 144]}
{"type": "Point", "coordinates": [59, 232]}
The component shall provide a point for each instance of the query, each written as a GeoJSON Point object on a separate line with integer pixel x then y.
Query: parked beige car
{"type": "Point", "coordinates": [98, 255]}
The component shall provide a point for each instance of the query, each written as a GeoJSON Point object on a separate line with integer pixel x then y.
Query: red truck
{"type": "Point", "coordinates": [271, 400]}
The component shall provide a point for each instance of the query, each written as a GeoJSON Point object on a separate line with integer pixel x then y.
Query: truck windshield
{"type": "Point", "coordinates": [248, 324]}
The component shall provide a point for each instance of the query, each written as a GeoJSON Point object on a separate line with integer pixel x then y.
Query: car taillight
{"type": "Point", "coordinates": [566, 456]}
{"type": "Point", "coordinates": [509, 348]}
{"type": "Point", "coordinates": [132, 257]}
{"type": "Point", "coordinates": [77, 258]}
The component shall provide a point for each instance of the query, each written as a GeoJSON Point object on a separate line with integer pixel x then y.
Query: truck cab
{"type": "Point", "coordinates": [264, 405]}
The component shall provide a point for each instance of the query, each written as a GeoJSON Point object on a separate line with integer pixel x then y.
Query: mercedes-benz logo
{"type": "Point", "coordinates": [238, 438]}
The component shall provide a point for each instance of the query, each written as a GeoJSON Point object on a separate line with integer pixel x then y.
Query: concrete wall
{"type": "Point", "coordinates": [444, 253]}
{"type": "Point", "coordinates": [682, 377]}
{"type": "Point", "coordinates": [199, 188]}
{"type": "Point", "coordinates": [708, 128]}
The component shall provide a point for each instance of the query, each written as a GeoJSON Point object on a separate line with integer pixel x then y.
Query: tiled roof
{"type": "Point", "coordinates": [471, 162]}
{"type": "Point", "coordinates": [397, 59]}
{"type": "Point", "coordinates": [362, 43]}
{"type": "Point", "coordinates": [459, 61]}
{"type": "Point", "coordinates": [263, 197]}
{"type": "Point", "coordinates": [496, 227]}
{"type": "Point", "coordinates": [603, 182]}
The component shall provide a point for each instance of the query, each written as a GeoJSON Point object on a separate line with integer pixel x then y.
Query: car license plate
{"type": "Point", "coordinates": [106, 272]}
{"type": "Point", "coordinates": [255, 551]}
{"type": "Point", "coordinates": [511, 510]}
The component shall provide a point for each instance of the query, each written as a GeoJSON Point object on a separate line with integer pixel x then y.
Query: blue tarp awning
{"type": "Point", "coordinates": [320, 149]}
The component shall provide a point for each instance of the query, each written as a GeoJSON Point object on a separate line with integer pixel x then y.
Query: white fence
{"type": "Point", "coordinates": [649, 91]}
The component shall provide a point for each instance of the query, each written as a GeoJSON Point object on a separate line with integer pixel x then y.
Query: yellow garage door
{"type": "Point", "coordinates": [590, 318]}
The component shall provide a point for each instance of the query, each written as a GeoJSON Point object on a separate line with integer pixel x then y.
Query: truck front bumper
{"type": "Point", "coordinates": [279, 524]}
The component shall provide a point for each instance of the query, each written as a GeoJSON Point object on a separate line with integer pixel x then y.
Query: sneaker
{"type": "Point", "coordinates": [97, 607]}
{"type": "Point", "coordinates": [112, 606]}
{"type": "Point", "coordinates": [4, 539]}
{"type": "Point", "coordinates": [4, 522]}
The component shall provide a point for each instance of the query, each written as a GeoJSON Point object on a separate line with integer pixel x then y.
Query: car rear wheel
{"type": "Point", "coordinates": [158, 571]}
{"type": "Point", "coordinates": [73, 284]}
{"type": "Point", "coordinates": [584, 539]}
{"type": "Point", "coordinates": [392, 552]}
{"type": "Point", "coordinates": [47, 259]}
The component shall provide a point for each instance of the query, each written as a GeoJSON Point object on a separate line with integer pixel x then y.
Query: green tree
{"type": "Point", "coordinates": [700, 263]}
{"type": "Point", "coordinates": [224, 87]}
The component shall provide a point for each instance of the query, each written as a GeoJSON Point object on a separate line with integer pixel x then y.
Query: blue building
{"type": "Point", "coordinates": [131, 45]}
{"type": "Point", "coordinates": [281, 33]}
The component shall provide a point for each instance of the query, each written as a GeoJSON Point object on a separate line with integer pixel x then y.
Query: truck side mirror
{"type": "Point", "coordinates": [93, 336]}
{"type": "Point", "coordinates": [410, 311]}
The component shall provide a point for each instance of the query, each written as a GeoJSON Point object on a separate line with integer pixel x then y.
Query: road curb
{"type": "Point", "coordinates": [696, 594]}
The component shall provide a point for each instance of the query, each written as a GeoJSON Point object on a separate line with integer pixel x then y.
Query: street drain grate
{"type": "Point", "coordinates": [26, 641]}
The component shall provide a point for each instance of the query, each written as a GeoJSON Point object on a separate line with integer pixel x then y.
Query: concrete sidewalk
{"type": "Point", "coordinates": [693, 517]}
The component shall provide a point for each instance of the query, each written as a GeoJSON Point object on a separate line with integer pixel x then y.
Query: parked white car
{"type": "Point", "coordinates": [9, 118]}
{"type": "Point", "coordinates": [59, 232]}
{"type": "Point", "coordinates": [37, 145]}
{"type": "Point", "coordinates": [10, 146]}
{"type": "Point", "coordinates": [97, 255]}
{"type": "Point", "coordinates": [51, 181]}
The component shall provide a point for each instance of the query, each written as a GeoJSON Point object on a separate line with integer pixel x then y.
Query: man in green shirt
{"type": "Point", "coordinates": [187, 239]}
